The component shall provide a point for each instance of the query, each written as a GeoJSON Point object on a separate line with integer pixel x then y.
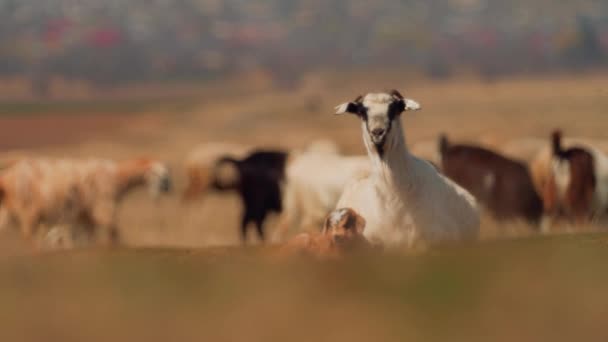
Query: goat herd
{"type": "Point", "coordinates": [388, 198]}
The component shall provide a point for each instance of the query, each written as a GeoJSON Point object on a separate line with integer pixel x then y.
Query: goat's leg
{"type": "Point", "coordinates": [244, 223]}
{"type": "Point", "coordinates": [107, 235]}
{"type": "Point", "coordinates": [5, 218]}
{"type": "Point", "coordinates": [28, 222]}
{"type": "Point", "coordinates": [546, 223]}
{"type": "Point", "coordinates": [113, 234]}
{"type": "Point", "coordinates": [575, 221]}
{"type": "Point", "coordinates": [259, 225]}
{"type": "Point", "coordinates": [289, 215]}
{"type": "Point", "coordinates": [104, 222]}
{"type": "Point", "coordinates": [285, 222]}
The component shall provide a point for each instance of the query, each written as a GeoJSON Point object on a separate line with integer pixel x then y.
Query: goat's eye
{"type": "Point", "coordinates": [362, 112]}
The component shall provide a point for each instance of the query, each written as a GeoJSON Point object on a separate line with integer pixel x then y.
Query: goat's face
{"type": "Point", "coordinates": [158, 178]}
{"type": "Point", "coordinates": [378, 113]}
{"type": "Point", "coordinates": [344, 226]}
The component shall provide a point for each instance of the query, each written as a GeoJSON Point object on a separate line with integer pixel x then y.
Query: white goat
{"type": "Point", "coordinates": [315, 181]}
{"type": "Point", "coordinates": [403, 199]}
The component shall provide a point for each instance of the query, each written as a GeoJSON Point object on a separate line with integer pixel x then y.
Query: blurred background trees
{"type": "Point", "coordinates": [118, 41]}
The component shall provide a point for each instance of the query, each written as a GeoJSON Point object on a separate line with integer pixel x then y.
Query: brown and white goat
{"type": "Point", "coordinates": [573, 181]}
{"type": "Point", "coordinates": [56, 191]}
{"type": "Point", "coordinates": [342, 232]}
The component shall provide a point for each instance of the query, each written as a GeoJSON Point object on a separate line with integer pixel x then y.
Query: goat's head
{"type": "Point", "coordinates": [379, 112]}
{"type": "Point", "coordinates": [556, 142]}
{"type": "Point", "coordinates": [226, 173]}
{"type": "Point", "coordinates": [344, 226]}
{"type": "Point", "coordinates": [144, 172]}
{"type": "Point", "coordinates": [158, 177]}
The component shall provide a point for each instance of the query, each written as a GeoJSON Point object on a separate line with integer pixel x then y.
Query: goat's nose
{"type": "Point", "coordinates": [378, 132]}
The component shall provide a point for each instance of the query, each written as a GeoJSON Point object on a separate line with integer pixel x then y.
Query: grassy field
{"type": "Point", "coordinates": [539, 289]}
{"type": "Point", "coordinates": [183, 281]}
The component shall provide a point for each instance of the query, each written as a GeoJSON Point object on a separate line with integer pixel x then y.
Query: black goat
{"type": "Point", "coordinates": [259, 185]}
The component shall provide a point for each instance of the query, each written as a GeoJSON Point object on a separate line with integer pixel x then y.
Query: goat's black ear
{"type": "Point", "coordinates": [350, 107]}
{"type": "Point", "coordinates": [398, 103]}
{"type": "Point", "coordinates": [396, 94]}
{"type": "Point", "coordinates": [401, 103]}
{"type": "Point", "coordinates": [399, 106]}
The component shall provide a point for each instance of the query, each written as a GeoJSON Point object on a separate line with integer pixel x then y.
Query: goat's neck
{"type": "Point", "coordinates": [130, 175]}
{"type": "Point", "coordinates": [393, 167]}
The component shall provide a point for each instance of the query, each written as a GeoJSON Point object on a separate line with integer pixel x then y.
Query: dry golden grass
{"type": "Point", "coordinates": [527, 288]}
{"type": "Point", "coordinates": [465, 108]}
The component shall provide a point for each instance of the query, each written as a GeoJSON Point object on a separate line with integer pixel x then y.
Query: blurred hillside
{"type": "Point", "coordinates": [117, 41]}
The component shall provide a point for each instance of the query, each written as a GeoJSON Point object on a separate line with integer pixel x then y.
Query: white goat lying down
{"type": "Point", "coordinates": [66, 191]}
{"type": "Point", "coordinates": [403, 199]}
{"type": "Point", "coordinates": [315, 181]}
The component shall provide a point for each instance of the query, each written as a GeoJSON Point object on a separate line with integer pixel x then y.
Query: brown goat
{"type": "Point", "coordinates": [342, 232]}
{"type": "Point", "coordinates": [504, 186]}
{"type": "Point", "coordinates": [200, 165]}
{"type": "Point", "coordinates": [570, 188]}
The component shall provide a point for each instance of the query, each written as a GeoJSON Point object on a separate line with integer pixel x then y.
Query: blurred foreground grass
{"type": "Point", "coordinates": [535, 289]}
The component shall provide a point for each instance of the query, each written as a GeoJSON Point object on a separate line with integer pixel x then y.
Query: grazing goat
{"type": "Point", "coordinates": [504, 186]}
{"type": "Point", "coordinates": [342, 232]}
{"type": "Point", "coordinates": [314, 183]}
{"type": "Point", "coordinates": [258, 182]}
{"type": "Point", "coordinates": [200, 163]}
{"type": "Point", "coordinates": [573, 181]}
{"type": "Point", "coordinates": [403, 199]}
{"type": "Point", "coordinates": [47, 191]}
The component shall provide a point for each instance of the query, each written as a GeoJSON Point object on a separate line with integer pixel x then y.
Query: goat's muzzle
{"type": "Point", "coordinates": [378, 136]}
